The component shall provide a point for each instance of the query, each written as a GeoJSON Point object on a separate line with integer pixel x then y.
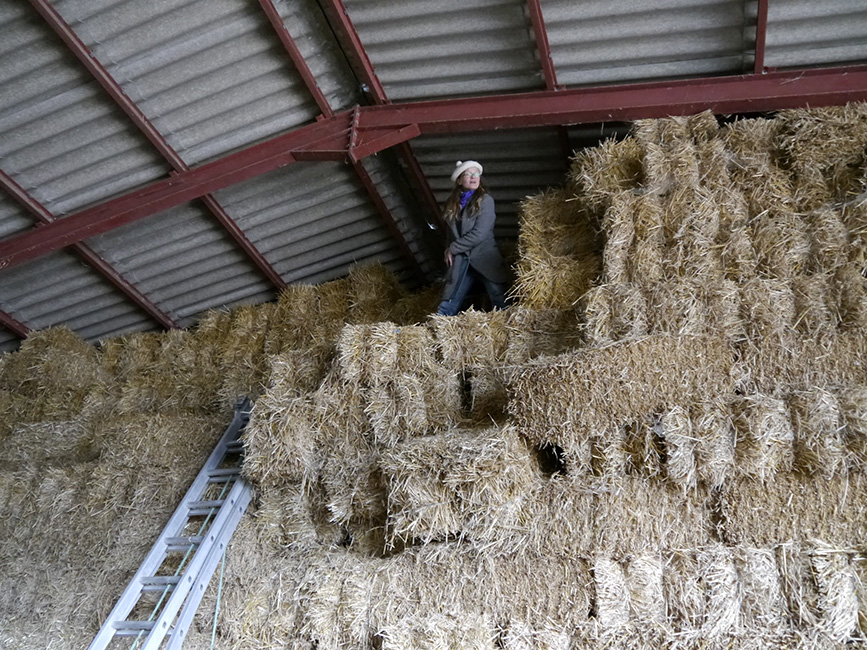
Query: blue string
{"type": "Point", "coordinates": [219, 595]}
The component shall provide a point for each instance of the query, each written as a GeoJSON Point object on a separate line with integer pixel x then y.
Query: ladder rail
{"type": "Point", "coordinates": [197, 591]}
{"type": "Point", "coordinates": [237, 499]}
{"type": "Point", "coordinates": [159, 552]}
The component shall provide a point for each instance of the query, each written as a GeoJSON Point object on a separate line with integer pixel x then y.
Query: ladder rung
{"type": "Point", "coordinates": [132, 628]}
{"type": "Point", "coordinates": [183, 543]}
{"type": "Point", "coordinates": [234, 447]}
{"type": "Point", "coordinates": [206, 505]}
{"type": "Point", "coordinates": [158, 583]}
{"type": "Point", "coordinates": [224, 471]}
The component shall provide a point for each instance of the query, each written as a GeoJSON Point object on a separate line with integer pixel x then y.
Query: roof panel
{"type": "Point", "coordinates": [210, 75]}
{"type": "Point", "coordinates": [180, 253]}
{"type": "Point", "coordinates": [301, 214]}
{"type": "Point", "coordinates": [13, 218]}
{"type": "Point", "coordinates": [601, 42]}
{"type": "Point", "coordinates": [314, 39]}
{"type": "Point", "coordinates": [804, 33]}
{"type": "Point", "coordinates": [61, 138]}
{"type": "Point", "coordinates": [59, 289]}
{"type": "Point", "coordinates": [423, 49]}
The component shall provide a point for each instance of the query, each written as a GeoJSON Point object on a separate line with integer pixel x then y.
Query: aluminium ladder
{"type": "Point", "coordinates": [178, 568]}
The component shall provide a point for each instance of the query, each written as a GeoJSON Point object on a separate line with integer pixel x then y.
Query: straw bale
{"type": "Point", "coordinates": [853, 413]}
{"type": "Point", "coordinates": [589, 389]}
{"type": "Point", "coordinates": [554, 282]}
{"type": "Point", "coordinates": [658, 168]}
{"type": "Point", "coordinates": [763, 606]}
{"type": "Point", "coordinates": [373, 291]}
{"type": "Point", "coordinates": [703, 126]}
{"type": "Point", "coordinates": [54, 370]}
{"type": "Point", "coordinates": [614, 312]}
{"type": "Point", "coordinates": [798, 584]}
{"type": "Point", "coordinates": [649, 247]}
{"type": "Point", "coordinates": [814, 314]}
{"type": "Point", "coordinates": [406, 390]}
{"type": "Point", "coordinates": [738, 256]}
{"type": "Point", "coordinates": [618, 225]}
{"type": "Point", "coordinates": [859, 563]}
{"type": "Point", "coordinates": [331, 599]}
{"type": "Point", "coordinates": [646, 595]}
{"type": "Point", "coordinates": [488, 395]}
{"type": "Point", "coordinates": [829, 240]}
{"type": "Point", "coordinates": [683, 586]}
{"type": "Point", "coordinates": [768, 308]}
{"type": "Point", "coordinates": [677, 308]}
{"type": "Point", "coordinates": [279, 439]}
{"type": "Point", "coordinates": [838, 601]}
{"type": "Point", "coordinates": [556, 223]}
{"type": "Point", "coordinates": [765, 437]}
{"type": "Point", "coordinates": [820, 144]}
{"type": "Point", "coordinates": [820, 445]}
{"type": "Point", "coordinates": [782, 243]}
{"type": "Point", "coordinates": [521, 636]}
{"type": "Point", "coordinates": [354, 486]}
{"type": "Point", "coordinates": [472, 339]}
{"type": "Point", "coordinates": [607, 169]}
{"type": "Point", "coordinates": [714, 432]}
{"type": "Point", "coordinates": [436, 631]}
{"type": "Point", "coordinates": [283, 518]}
{"type": "Point", "coordinates": [416, 307]}
{"type": "Point", "coordinates": [612, 593]}
{"type": "Point", "coordinates": [681, 448]}
{"type": "Point", "coordinates": [685, 161]}
{"type": "Point", "coordinates": [537, 332]}
{"type": "Point", "coordinates": [458, 483]}
{"type": "Point", "coordinates": [723, 591]}
{"type": "Point", "coordinates": [307, 316]}
{"type": "Point", "coordinates": [754, 165]}
{"type": "Point", "coordinates": [849, 297]}
{"type": "Point", "coordinates": [641, 516]}
{"type": "Point", "coordinates": [242, 354]}
{"type": "Point", "coordinates": [803, 508]}
{"type": "Point", "coordinates": [795, 365]}
{"type": "Point", "coordinates": [713, 163]}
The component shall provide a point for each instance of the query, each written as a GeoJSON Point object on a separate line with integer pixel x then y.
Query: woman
{"type": "Point", "coordinates": [472, 253]}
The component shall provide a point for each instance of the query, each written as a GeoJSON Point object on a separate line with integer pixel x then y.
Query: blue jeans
{"type": "Point", "coordinates": [467, 277]}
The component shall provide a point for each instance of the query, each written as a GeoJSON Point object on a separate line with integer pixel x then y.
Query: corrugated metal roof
{"type": "Point", "coordinates": [61, 138]}
{"type": "Point", "coordinates": [210, 74]}
{"type": "Point", "coordinates": [58, 288]}
{"type": "Point", "coordinates": [805, 32]}
{"type": "Point", "coordinates": [597, 41]}
{"type": "Point", "coordinates": [423, 49]}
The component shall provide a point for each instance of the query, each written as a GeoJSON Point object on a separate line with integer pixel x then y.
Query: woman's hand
{"type": "Point", "coordinates": [448, 258]}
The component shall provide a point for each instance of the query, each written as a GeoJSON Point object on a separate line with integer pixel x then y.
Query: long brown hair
{"type": "Point", "coordinates": [453, 204]}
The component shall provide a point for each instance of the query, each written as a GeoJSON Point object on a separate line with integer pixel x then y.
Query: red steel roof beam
{"type": "Point", "coordinates": [541, 34]}
{"type": "Point", "coordinates": [18, 328]}
{"type": "Point", "coordinates": [336, 12]}
{"type": "Point", "coordinates": [735, 94]}
{"type": "Point", "coordinates": [96, 69]}
{"type": "Point", "coordinates": [297, 58]}
{"type": "Point", "coordinates": [41, 213]}
{"type": "Point", "coordinates": [741, 94]}
{"type": "Point", "coordinates": [382, 208]}
{"type": "Point", "coordinates": [761, 36]}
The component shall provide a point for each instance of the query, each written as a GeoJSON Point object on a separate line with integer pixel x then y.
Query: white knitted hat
{"type": "Point", "coordinates": [461, 167]}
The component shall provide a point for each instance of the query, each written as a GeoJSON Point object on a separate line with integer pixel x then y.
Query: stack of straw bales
{"type": "Point", "coordinates": [663, 445]}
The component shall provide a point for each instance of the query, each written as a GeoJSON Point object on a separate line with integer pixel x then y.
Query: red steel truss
{"type": "Point", "coordinates": [736, 94]}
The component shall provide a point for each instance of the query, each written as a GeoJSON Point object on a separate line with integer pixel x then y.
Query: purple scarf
{"type": "Point", "coordinates": [465, 198]}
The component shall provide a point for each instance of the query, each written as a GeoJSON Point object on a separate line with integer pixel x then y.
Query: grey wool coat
{"type": "Point", "coordinates": [477, 243]}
